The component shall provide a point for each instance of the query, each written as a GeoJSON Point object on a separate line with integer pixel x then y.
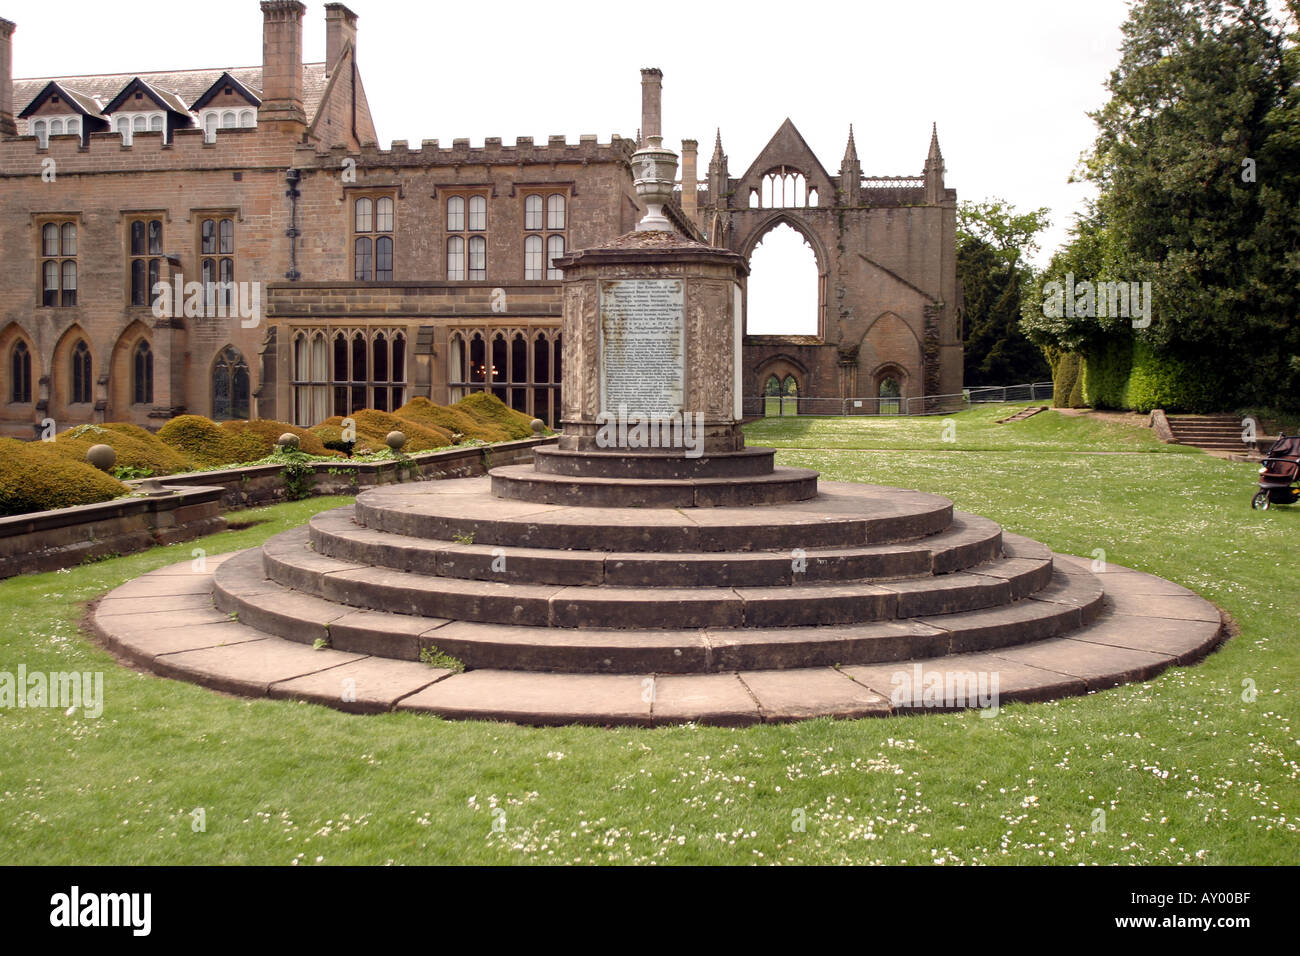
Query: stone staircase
{"type": "Point", "coordinates": [721, 590]}
{"type": "Point", "coordinates": [1212, 432]}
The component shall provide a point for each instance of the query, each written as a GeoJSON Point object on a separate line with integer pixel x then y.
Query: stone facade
{"type": "Point", "coordinates": [380, 274]}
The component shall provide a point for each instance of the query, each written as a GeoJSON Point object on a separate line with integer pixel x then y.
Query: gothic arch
{"type": "Point", "coordinates": [62, 409]}
{"type": "Point", "coordinates": [891, 348]}
{"type": "Point", "coordinates": [10, 337]}
{"type": "Point", "coordinates": [821, 257]}
{"type": "Point", "coordinates": [121, 378]}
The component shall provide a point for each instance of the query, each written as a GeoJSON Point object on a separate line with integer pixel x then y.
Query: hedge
{"type": "Point", "coordinates": [1066, 378]}
{"type": "Point", "coordinates": [208, 444]}
{"type": "Point", "coordinates": [266, 432]}
{"type": "Point", "coordinates": [36, 476]}
{"type": "Point", "coordinates": [136, 448]}
{"type": "Point", "coordinates": [454, 419]}
{"type": "Point", "coordinates": [372, 427]}
{"type": "Point", "coordinates": [1129, 374]}
{"type": "Point", "coordinates": [487, 407]}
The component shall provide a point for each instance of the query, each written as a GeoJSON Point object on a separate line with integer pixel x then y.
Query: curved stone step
{"type": "Point", "coordinates": [668, 464]}
{"type": "Point", "coordinates": [969, 540]}
{"type": "Point", "coordinates": [240, 585]}
{"type": "Point", "coordinates": [842, 515]}
{"type": "Point", "coordinates": [780, 486]}
{"type": "Point", "coordinates": [289, 561]}
{"type": "Point", "coordinates": [1148, 624]}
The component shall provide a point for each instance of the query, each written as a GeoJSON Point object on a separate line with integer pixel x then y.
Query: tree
{"type": "Point", "coordinates": [992, 239]}
{"type": "Point", "coordinates": [1199, 187]}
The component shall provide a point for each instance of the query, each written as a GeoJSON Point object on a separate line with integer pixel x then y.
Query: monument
{"type": "Point", "coordinates": [650, 568]}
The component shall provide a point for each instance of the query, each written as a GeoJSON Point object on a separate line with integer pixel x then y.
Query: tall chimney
{"type": "Point", "coordinates": [340, 30]}
{"type": "Point", "coordinates": [7, 124]}
{"type": "Point", "coordinates": [690, 187]}
{"type": "Point", "coordinates": [282, 65]}
{"type": "Point", "coordinates": [651, 95]}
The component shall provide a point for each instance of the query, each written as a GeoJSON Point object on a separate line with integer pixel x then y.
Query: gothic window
{"type": "Point", "coordinates": [230, 385]}
{"type": "Point", "coordinates": [520, 366]}
{"type": "Point", "coordinates": [142, 374]}
{"type": "Point", "coordinates": [217, 263]}
{"type": "Point", "coordinates": [20, 373]}
{"type": "Point", "coordinates": [548, 243]}
{"type": "Point", "coordinates": [81, 382]}
{"type": "Point", "coordinates": [554, 250]}
{"type": "Point", "coordinates": [455, 259]}
{"type": "Point", "coordinates": [466, 256]}
{"type": "Point", "coordinates": [533, 257]}
{"type": "Point", "coordinates": [783, 187]}
{"type": "Point", "coordinates": [349, 371]}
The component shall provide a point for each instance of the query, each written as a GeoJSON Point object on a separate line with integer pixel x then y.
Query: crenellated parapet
{"type": "Point", "coordinates": [494, 152]}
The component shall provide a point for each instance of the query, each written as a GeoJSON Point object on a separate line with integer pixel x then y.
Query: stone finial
{"type": "Point", "coordinates": [102, 457]}
{"type": "Point", "coordinates": [395, 440]}
{"type": "Point", "coordinates": [288, 441]}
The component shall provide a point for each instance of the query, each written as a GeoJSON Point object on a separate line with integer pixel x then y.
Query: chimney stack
{"type": "Point", "coordinates": [690, 186]}
{"type": "Point", "coordinates": [7, 124]}
{"type": "Point", "coordinates": [340, 30]}
{"type": "Point", "coordinates": [282, 66]}
{"type": "Point", "coordinates": [651, 95]}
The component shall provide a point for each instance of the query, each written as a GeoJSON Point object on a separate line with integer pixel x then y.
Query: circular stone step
{"type": "Point", "coordinates": [843, 515]}
{"type": "Point", "coordinates": [1068, 602]}
{"type": "Point", "coordinates": [969, 540]}
{"type": "Point", "coordinates": [782, 485]}
{"type": "Point", "coordinates": [747, 462]}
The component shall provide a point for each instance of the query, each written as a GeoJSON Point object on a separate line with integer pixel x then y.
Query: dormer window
{"type": "Point", "coordinates": [128, 124]}
{"type": "Point", "coordinates": [214, 120]}
{"type": "Point", "coordinates": [48, 126]}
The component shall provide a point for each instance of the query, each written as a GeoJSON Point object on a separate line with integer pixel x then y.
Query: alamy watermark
{"type": "Point", "coordinates": [64, 690]}
{"type": "Point", "coordinates": [209, 300]}
{"type": "Point", "coordinates": [677, 430]}
{"type": "Point", "coordinates": [1098, 300]}
{"type": "Point", "coordinates": [945, 689]}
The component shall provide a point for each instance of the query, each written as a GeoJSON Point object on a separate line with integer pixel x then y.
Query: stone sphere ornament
{"type": "Point", "coordinates": [288, 441]}
{"type": "Point", "coordinates": [102, 457]}
{"type": "Point", "coordinates": [537, 425]}
{"type": "Point", "coordinates": [395, 440]}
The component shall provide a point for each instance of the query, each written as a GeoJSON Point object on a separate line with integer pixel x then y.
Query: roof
{"type": "Point", "coordinates": [80, 102]}
{"type": "Point", "coordinates": [186, 85]}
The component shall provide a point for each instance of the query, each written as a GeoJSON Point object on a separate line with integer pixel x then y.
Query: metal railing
{"type": "Point", "coordinates": [771, 406]}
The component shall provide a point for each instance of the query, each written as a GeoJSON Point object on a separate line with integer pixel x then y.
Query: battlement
{"type": "Point", "coordinates": [588, 149]}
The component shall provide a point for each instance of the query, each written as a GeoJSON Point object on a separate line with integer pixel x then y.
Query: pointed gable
{"type": "Point", "coordinates": [159, 98]}
{"type": "Point", "coordinates": [76, 101]}
{"type": "Point", "coordinates": [222, 92]}
{"type": "Point", "coordinates": [788, 148]}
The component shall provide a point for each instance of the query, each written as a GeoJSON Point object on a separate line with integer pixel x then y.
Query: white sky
{"type": "Point", "coordinates": [1008, 81]}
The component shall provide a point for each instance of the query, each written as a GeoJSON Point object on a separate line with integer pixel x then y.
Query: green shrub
{"type": "Point", "coordinates": [267, 432]}
{"type": "Point", "coordinates": [137, 450]}
{"type": "Point", "coordinates": [1128, 373]}
{"type": "Point", "coordinates": [454, 419]}
{"type": "Point", "coordinates": [372, 428]}
{"type": "Point", "coordinates": [1066, 368]}
{"type": "Point", "coordinates": [35, 476]}
{"type": "Point", "coordinates": [208, 444]}
{"type": "Point", "coordinates": [1106, 373]}
{"type": "Point", "coordinates": [487, 407]}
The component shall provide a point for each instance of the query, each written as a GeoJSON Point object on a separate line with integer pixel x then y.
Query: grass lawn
{"type": "Point", "coordinates": [1188, 768]}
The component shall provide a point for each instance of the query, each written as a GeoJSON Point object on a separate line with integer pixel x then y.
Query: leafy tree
{"type": "Point", "coordinates": [991, 239]}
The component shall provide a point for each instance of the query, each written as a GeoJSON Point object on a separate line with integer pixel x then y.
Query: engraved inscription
{"type": "Point", "coordinates": [642, 353]}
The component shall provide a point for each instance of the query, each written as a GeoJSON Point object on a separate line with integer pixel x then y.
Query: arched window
{"type": "Point", "coordinates": [753, 199]}
{"type": "Point", "coordinates": [782, 188]}
{"type": "Point", "coordinates": [554, 250]}
{"type": "Point", "coordinates": [42, 133]}
{"type": "Point", "coordinates": [889, 394]}
{"type": "Point", "coordinates": [228, 119]}
{"type": "Point", "coordinates": [477, 258]}
{"type": "Point", "coordinates": [555, 212]}
{"type": "Point", "coordinates": [69, 296]}
{"type": "Point", "coordinates": [20, 373]}
{"type": "Point", "coordinates": [50, 239]}
{"type": "Point", "coordinates": [477, 213]}
{"type": "Point", "coordinates": [247, 119]}
{"type": "Point", "coordinates": [533, 212]}
{"type": "Point", "coordinates": [229, 385]}
{"type": "Point", "coordinates": [156, 123]}
{"type": "Point", "coordinates": [58, 264]}
{"type": "Point", "coordinates": [455, 259]}
{"type": "Point", "coordinates": [69, 233]}
{"type": "Point", "coordinates": [456, 214]}
{"type": "Point", "coordinates": [533, 257]}
{"type": "Point", "coordinates": [311, 379]}
{"type": "Point", "coordinates": [784, 285]}
{"type": "Point", "coordinates": [210, 128]}
{"type": "Point", "coordinates": [384, 259]}
{"type": "Point", "coordinates": [56, 127]}
{"type": "Point", "coordinates": [227, 236]}
{"type": "Point", "coordinates": [772, 386]}
{"type": "Point", "coordinates": [74, 125]}
{"type": "Point", "coordinates": [362, 256]}
{"type": "Point", "coordinates": [142, 374]}
{"type": "Point", "coordinates": [139, 124]}
{"type": "Point", "coordinates": [123, 127]}
{"type": "Point", "coordinates": [383, 214]}
{"type": "Point", "coordinates": [81, 382]}
{"type": "Point", "coordinates": [364, 215]}
{"type": "Point", "coordinates": [812, 197]}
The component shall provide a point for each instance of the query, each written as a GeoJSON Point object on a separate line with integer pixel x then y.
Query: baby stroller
{"type": "Point", "coordinates": [1279, 478]}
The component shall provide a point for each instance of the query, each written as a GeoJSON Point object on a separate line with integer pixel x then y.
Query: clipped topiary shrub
{"type": "Point", "coordinates": [267, 432]}
{"type": "Point", "coordinates": [454, 419]}
{"type": "Point", "coordinates": [1174, 384]}
{"type": "Point", "coordinates": [139, 453]}
{"type": "Point", "coordinates": [488, 408]}
{"type": "Point", "coordinates": [1066, 369]}
{"type": "Point", "coordinates": [372, 428]}
{"type": "Point", "coordinates": [208, 444]}
{"type": "Point", "coordinates": [35, 476]}
{"type": "Point", "coordinates": [1106, 373]}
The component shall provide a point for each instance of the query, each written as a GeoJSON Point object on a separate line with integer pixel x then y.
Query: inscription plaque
{"type": "Point", "coordinates": [642, 347]}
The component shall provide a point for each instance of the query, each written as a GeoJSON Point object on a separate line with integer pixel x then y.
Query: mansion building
{"type": "Point", "coordinates": [317, 274]}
